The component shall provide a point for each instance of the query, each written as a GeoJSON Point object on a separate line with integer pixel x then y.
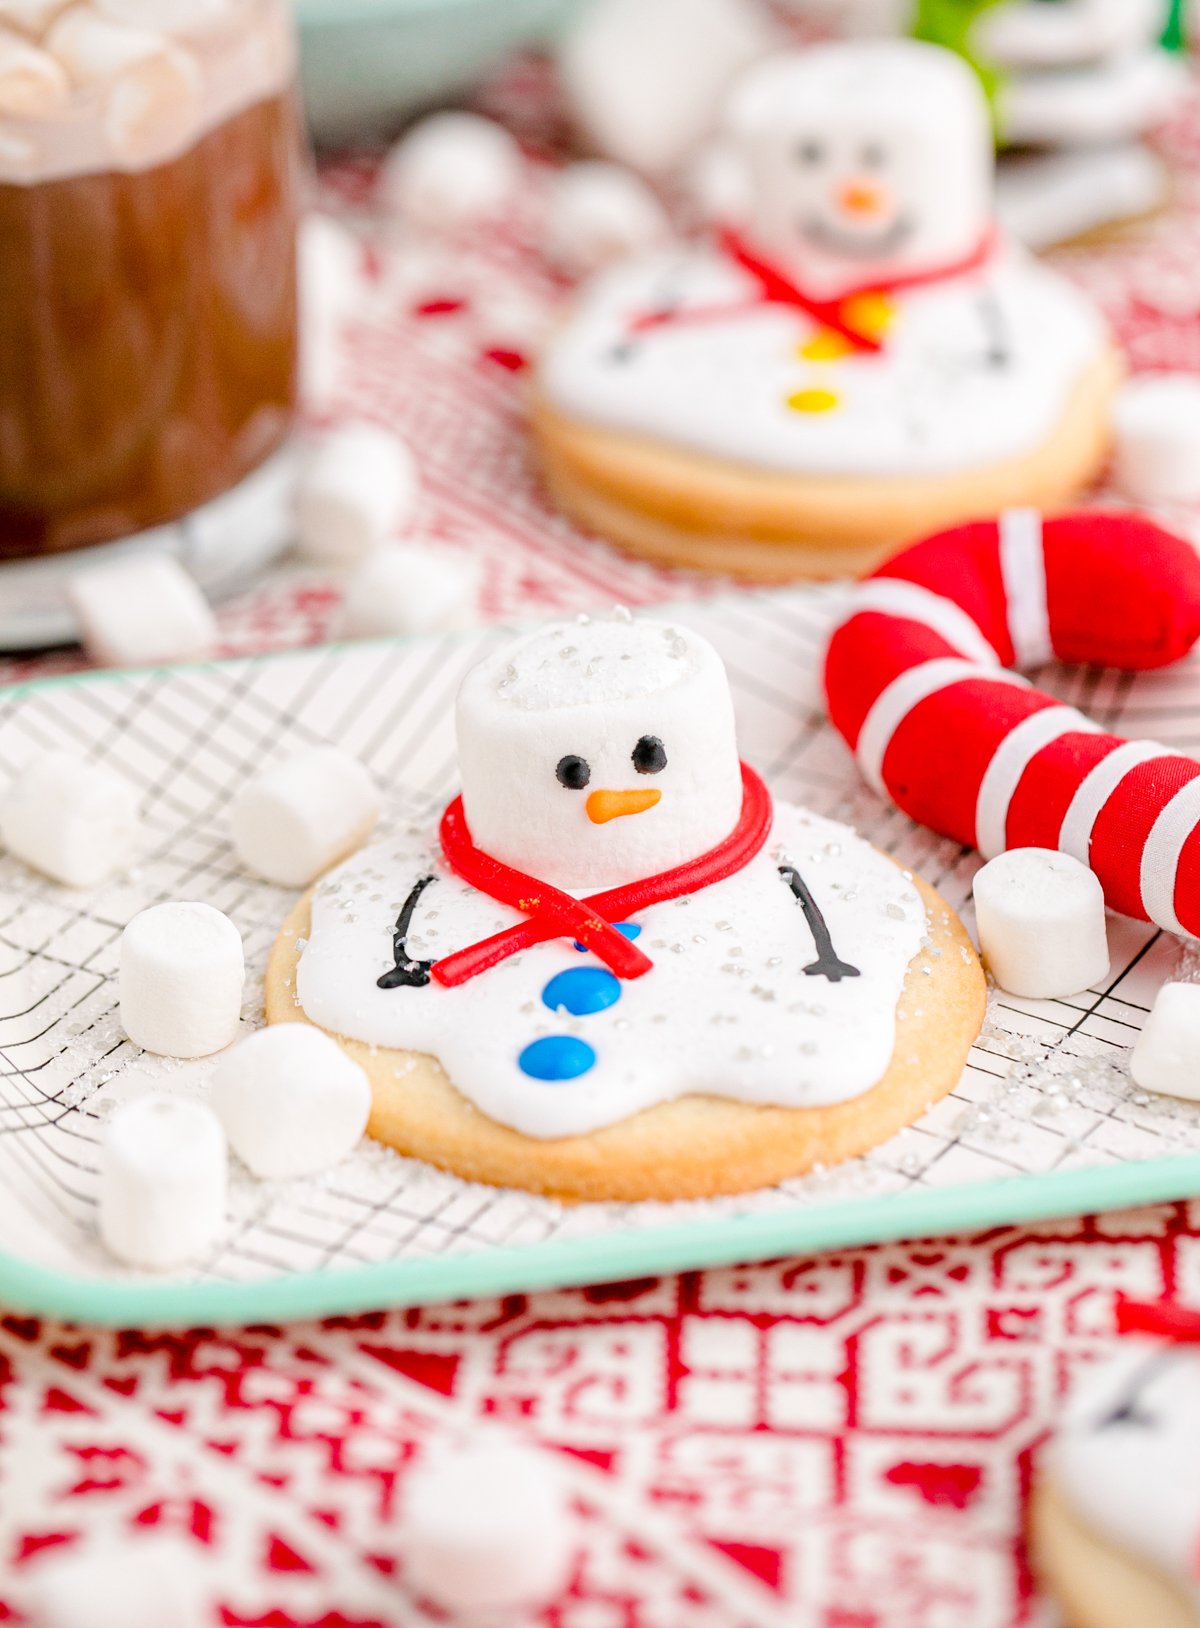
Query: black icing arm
{"type": "Point", "coordinates": [1130, 1408]}
{"type": "Point", "coordinates": [407, 973]}
{"type": "Point", "coordinates": [827, 965]}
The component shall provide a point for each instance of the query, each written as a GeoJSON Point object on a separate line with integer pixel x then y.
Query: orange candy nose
{"type": "Point", "coordinates": [862, 199]}
{"type": "Point", "coordinates": [603, 806]}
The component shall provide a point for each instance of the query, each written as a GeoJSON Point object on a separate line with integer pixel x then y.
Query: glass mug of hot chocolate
{"type": "Point", "coordinates": [149, 163]}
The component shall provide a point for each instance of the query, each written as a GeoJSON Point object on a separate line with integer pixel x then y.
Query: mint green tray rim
{"type": "Point", "coordinates": [603, 1258]}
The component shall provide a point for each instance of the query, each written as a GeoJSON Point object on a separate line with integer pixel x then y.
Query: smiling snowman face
{"type": "Point", "coordinates": [864, 158]}
{"type": "Point", "coordinates": [599, 752]}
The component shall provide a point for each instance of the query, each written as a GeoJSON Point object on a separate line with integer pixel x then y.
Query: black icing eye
{"type": "Point", "coordinates": [649, 755]}
{"type": "Point", "coordinates": [810, 151]}
{"type": "Point", "coordinates": [872, 156]}
{"type": "Point", "coordinates": [573, 772]}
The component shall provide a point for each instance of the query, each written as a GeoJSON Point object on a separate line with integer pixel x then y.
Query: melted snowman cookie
{"type": "Point", "coordinates": [856, 362]}
{"type": "Point", "coordinates": [641, 978]}
{"type": "Point", "coordinates": [1116, 1518]}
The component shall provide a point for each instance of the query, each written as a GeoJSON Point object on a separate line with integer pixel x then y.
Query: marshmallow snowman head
{"type": "Point", "coordinates": [864, 157]}
{"type": "Point", "coordinates": [599, 752]}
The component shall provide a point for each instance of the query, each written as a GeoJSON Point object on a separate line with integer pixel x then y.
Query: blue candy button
{"type": "Point", "coordinates": [557, 1057]}
{"type": "Point", "coordinates": [631, 929]}
{"type": "Point", "coordinates": [582, 990]}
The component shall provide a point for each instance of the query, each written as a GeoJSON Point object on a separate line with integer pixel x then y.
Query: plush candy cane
{"type": "Point", "coordinates": [918, 682]}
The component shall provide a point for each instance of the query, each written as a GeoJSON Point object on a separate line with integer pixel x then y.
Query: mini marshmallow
{"type": "Point", "coordinates": [645, 78]}
{"type": "Point", "coordinates": [450, 172]}
{"type": "Point", "coordinates": [33, 84]}
{"type": "Point", "coordinates": [1166, 1055]}
{"type": "Point", "coordinates": [137, 1583]}
{"type": "Point", "coordinates": [31, 16]}
{"type": "Point", "coordinates": [140, 611]}
{"type": "Point", "coordinates": [1156, 424]}
{"type": "Point", "coordinates": [182, 19]}
{"type": "Point", "coordinates": [297, 818]}
{"type": "Point", "coordinates": [163, 1178]}
{"type": "Point", "coordinates": [409, 589]}
{"type": "Point", "coordinates": [291, 1101]}
{"type": "Point", "coordinates": [1042, 930]}
{"type": "Point", "coordinates": [598, 750]}
{"type": "Point", "coordinates": [73, 820]}
{"type": "Point", "coordinates": [329, 272]}
{"type": "Point", "coordinates": [598, 214]}
{"type": "Point", "coordinates": [181, 980]}
{"type": "Point", "coordinates": [153, 86]}
{"type": "Point", "coordinates": [360, 486]}
{"type": "Point", "coordinates": [486, 1528]}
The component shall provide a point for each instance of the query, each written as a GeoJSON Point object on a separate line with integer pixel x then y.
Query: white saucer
{"type": "Point", "coordinates": [222, 545]}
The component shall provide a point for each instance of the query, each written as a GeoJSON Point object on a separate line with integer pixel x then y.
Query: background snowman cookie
{"type": "Point", "coordinates": [616, 969]}
{"type": "Point", "coordinates": [1115, 1521]}
{"type": "Point", "coordinates": [858, 360]}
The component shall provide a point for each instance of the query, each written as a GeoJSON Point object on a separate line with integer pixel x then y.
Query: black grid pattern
{"type": "Point", "coordinates": [1046, 1088]}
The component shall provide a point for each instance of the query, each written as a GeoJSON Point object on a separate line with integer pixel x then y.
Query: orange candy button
{"type": "Point", "coordinates": [870, 314]}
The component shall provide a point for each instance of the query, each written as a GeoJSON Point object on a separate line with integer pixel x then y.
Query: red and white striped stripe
{"type": "Point", "coordinates": [919, 682]}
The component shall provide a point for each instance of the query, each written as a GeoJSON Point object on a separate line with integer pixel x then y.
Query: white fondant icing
{"type": "Point", "coordinates": [865, 158]}
{"type": "Point", "coordinates": [935, 401]}
{"type": "Point", "coordinates": [727, 1009]}
{"type": "Point", "coordinates": [591, 690]}
{"type": "Point", "coordinates": [1132, 1478]}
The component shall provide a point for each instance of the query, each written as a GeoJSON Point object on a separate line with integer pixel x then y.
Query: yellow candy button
{"type": "Point", "coordinates": [824, 346]}
{"type": "Point", "coordinates": [813, 401]}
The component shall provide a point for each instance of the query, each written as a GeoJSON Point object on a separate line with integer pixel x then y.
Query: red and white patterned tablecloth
{"type": "Point", "coordinates": [845, 1442]}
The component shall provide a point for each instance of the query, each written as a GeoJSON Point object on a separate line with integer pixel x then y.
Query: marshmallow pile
{"type": "Point", "coordinates": [137, 55]}
{"type": "Point", "coordinates": [287, 1100]}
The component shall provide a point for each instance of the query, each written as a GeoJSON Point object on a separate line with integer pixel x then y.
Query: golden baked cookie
{"type": "Point", "coordinates": [678, 507]}
{"type": "Point", "coordinates": [695, 1147]}
{"type": "Point", "coordinates": [1096, 1583]}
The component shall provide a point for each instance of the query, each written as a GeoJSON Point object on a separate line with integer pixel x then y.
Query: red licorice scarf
{"type": "Point", "coordinates": [776, 288]}
{"type": "Point", "coordinates": [554, 914]}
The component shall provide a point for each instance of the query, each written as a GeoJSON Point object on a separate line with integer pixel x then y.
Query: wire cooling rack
{"type": "Point", "coordinates": [1045, 1120]}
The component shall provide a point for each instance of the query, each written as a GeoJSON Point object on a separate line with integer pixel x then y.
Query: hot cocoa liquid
{"type": "Point", "coordinates": [147, 334]}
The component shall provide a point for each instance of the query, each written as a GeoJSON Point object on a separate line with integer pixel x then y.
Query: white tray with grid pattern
{"type": "Point", "coordinates": [1045, 1119]}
